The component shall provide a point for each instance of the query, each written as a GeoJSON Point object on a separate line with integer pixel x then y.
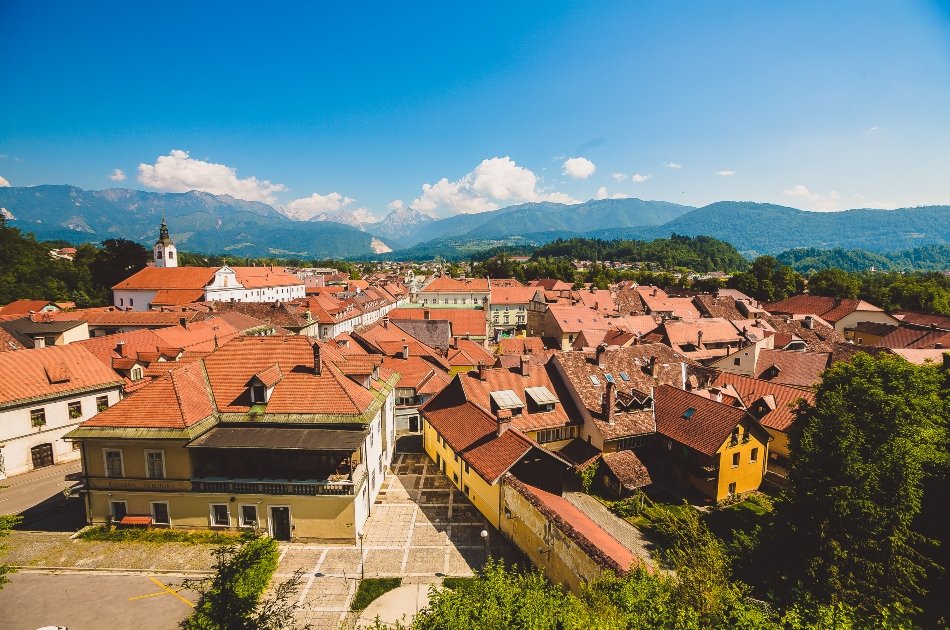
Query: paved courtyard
{"type": "Point", "coordinates": [421, 529]}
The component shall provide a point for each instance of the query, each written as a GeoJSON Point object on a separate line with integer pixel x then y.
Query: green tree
{"type": "Point", "coordinates": [118, 259]}
{"type": "Point", "coordinates": [834, 283]}
{"type": "Point", "coordinates": [845, 531]}
{"type": "Point", "coordinates": [7, 523]}
{"type": "Point", "coordinates": [768, 280]}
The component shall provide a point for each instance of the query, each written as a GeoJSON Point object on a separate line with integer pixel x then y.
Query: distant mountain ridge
{"type": "Point", "coordinates": [199, 222]}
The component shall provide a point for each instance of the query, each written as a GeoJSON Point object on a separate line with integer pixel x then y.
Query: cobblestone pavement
{"type": "Point", "coordinates": [626, 534]}
{"type": "Point", "coordinates": [421, 529]}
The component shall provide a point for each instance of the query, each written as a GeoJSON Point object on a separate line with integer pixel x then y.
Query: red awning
{"type": "Point", "coordinates": [135, 520]}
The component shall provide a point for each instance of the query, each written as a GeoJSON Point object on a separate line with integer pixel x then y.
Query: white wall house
{"type": "Point", "coordinates": [45, 393]}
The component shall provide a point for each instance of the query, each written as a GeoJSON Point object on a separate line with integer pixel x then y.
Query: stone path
{"type": "Point", "coordinates": [628, 535]}
{"type": "Point", "coordinates": [421, 529]}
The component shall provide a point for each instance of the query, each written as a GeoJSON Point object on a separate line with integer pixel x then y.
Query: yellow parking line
{"type": "Point", "coordinates": [165, 591]}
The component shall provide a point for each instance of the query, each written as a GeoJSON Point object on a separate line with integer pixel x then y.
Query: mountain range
{"type": "Point", "coordinates": [207, 223]}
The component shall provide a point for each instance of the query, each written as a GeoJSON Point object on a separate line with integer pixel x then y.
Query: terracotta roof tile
{"type": "Point", "coordinates": [26, 375]}
{"type": "Point", "coordinates": [799, 369]}
{"type": "Point", "coordinates": [830, 309]}
{"type": "Point", "coordinates": [628, 469]}
{"type": "Point", "coordinates": [704, 429]}
{"type": "Point", "coordinates": [23, 307]}
{"type": "Point", "coordinates": [448, 284]}
{"type": "Point", "coordinates": [169, 278]}
{"type": "Point", "coordinates": [520, 345]}
{"type": "Point", "coordinates": [465, 321]}
{"type": "Point", "coordinates": [751, 390]}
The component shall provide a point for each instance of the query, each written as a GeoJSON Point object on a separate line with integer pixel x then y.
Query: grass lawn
{"type": "Point", "coordinates": [743, 515]}
{"type": "Point", "coordinates": [149, 535]}
{"type": "Point", "coordinates": [370, 589]}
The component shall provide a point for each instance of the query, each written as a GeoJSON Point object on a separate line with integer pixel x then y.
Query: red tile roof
{"type": "Point", "coordinates": [23, 307]}
{"type": "Point", "coordinates": [628, 469]}
{"type": "Point", "coordinates": [169, 278]}
{"type": "Point", "coordinates": [830, 309]}
{"type": "Point", "coordinates": [55, 371]}
{"type": "Point", "coordinates": [468, 352]}
{"type": "Point", "coordinates": [705, 429]}
{"type": "Point", "coordinates": [465, 321]}
{"type": "Point", "coordinates": [799, 369]}
{"type": "Point", "coordinates": [448, 284]}
{"type": "Point", "coordinates": [752, 389]}
{"type": "Point", "coordinates": [511, 295]}
{"type": "Point", "coordinates": [179, 399]}
{"type": "Point", "coordinates": [520, 345]}
{"type": "Point", "coordinates": [472, 433]}
{"type": "Point", "coordinates": [173, 297]}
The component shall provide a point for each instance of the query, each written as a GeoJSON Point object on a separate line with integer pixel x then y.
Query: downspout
{"type": "Point", "coordinates": [85, 476]}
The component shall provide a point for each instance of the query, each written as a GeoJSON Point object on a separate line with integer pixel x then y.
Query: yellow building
{"type": "Point", "coordinates": [275, 434]}
{"type": "Point", "coordinates": [713, 448]}
{"type": "Point", "coordinates": [474, 449]}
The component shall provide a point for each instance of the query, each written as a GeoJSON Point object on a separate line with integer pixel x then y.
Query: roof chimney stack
{"type": "Point", "coordinates": [653, 366]}
{"type": "Point", "coordinates": [503, 418]}
{"type": "Point", "coordinates": [405, 351]}
{"type": "Point", "coordinates": [609, 403]}
{"type": "Point", "coordinates": [525, 366]}
{"type": "Point", "coordinates": [601, 354]}
{"type": "Point", "coordinates": [317, 367]}
{"type": "Point", "coordinates": [699, 339]}
{"type": "Point", "coordinates": [386, 322]}
{"type": "Point", "coordinates": [120, 348]}
{"type": "Point", "coordinates": [481, 371]}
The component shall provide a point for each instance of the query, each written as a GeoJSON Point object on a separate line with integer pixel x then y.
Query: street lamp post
{"type": "Point", "coordinates": [484, 536]}
{"type": "Point", "coordinates": [362, 560]}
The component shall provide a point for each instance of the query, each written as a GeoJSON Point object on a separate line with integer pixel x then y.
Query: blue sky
{"type": "Point", "coordinates": [323, 106]}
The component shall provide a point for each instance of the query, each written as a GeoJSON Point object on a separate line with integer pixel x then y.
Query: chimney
{"type": "Point", "coordinates": [481, 371]}
{"type": "Point", "coordinates": [405, 351]}
{"type": "Point", "coordinates": [120, 348]}
{"type": "Point", "coordinates": [317, 367]}
{"type": "Point", "coordinates": [386, 322]}
{"type": "Point", "coordinates": [809, 322]}
{"type": "Point", "coordinates": [609, 402]}
{"type": "Point", "coordinates": [601, 354]}
{"type": "Point", "coordinates": [653, 366]}
{"type": "Point", "coordinates": [699, 339]}
{"type": "Point", "coordinates": [525, 366]}
{"type": "Point", "coordinates": [653, 293]}
{"type": "Point", "coordinates": [182, 321]}
{"type": "Point", "coordinates": [503, 418]}
{"type": "Point", "coordinates": [425, 314]}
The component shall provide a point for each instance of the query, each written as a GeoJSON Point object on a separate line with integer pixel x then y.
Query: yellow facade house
{"type": "Point", "coordinates": [713, 448]}
{"type": "Point", "coordinates": [281, 435]}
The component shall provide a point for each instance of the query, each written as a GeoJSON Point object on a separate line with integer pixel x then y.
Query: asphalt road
{"type": "Point", "coordinates": [38, 496]}
{"type": "Point", "coordinates": [91, 601]}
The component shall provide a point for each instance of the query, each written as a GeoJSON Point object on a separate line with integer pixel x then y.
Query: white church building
{"type": "Point", "coordinates": [167, 284]}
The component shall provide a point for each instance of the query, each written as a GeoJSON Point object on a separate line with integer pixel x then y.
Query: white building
{"type": "Point", "coordinates": [164, 251]}
{"type": "Point", "coordinates": [45, 393]}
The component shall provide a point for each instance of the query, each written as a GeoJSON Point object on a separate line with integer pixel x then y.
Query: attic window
{"type": "Point", "coordinates": [689, 413]}
{"type": "Point", "coordinates": [506, 399]}
{"type": "Point", "coordinates": [610, 378]}
{"type": "Point", "coordinates": [258, 394]}
{"type": "Point", "coordinates": [595, 380]}
{"type": "Point", "coordinates": [624, 376]}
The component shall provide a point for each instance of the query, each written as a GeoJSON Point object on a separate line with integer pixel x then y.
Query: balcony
{"type": "Point", "coordinates": [292, 487]}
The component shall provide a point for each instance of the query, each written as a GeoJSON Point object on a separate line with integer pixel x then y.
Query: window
{"type": "Point", "coordinates": [76, 446]}
{"type": "Point", "coordinates": [75, 409]}
{"type": "Point", "coordinates": [131, 302]}
{"type": "Point", "coordinates": [468, 491]}
{"type": "Point", "coordinates": [136, 373]}
{"type": "Point", "coordinates": [455, 477]}
{"type": "Point", "coordinates": [557, 434]}
{"type": "Point", "coordinates": [121, 301]}
{"type": "Point", "coordinates": [732, 489]}
{"type": "Point", "coordinates": [736, 361]}
{"type": "Point", "coordinates": [754, 455]}
{"type": "Point", "coordinates": [37, 417]}
{"type": "Point", "coordinates": [467, 469]}
{"type": "Point", "coordinates": [102, 403]}
{"type": "Point", "coordinates": [155, 464]}
{"type": "Point", "coordinates": [113, 460]}
{"type": "Point", "coordinates": [456, 458]}
{"type": "Point", "coordinates": [248, 516]}
{"type": "Point", "coordinates": [258, 393]}
{"type": "Point", "coordinates": [171, 253]}
{"type": "Point", "coordinates": [49, 341]}
{"type": "Point", "coordinates": [735, 459]}
{"type": "Point", "coordinates": [158, 254]}
{"type": "Point", "coordinates": [160, 513]}
{"type": "Point", "coordinates": [219, 515]}
{"type": "Point", "coordinates": [118, 510]}
{"type": "Point", "coordinates": [630, 443]}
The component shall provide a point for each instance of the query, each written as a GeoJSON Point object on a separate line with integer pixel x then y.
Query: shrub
{"type": "Point", "coordinates": [370, 589]}
{"type": "Point", "coordinates": [160, 536]}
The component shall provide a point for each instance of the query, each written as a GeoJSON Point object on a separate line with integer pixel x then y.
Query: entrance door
{"type": "Point", "coordinates": [280, 523]}
{"type": "Point", "coordinates": [42, 455]}
{"type": "Point", "coordinates": [414, 424]}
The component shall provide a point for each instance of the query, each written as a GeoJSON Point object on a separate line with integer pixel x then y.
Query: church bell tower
{"type": "Point", "coordinates": [166, 255]}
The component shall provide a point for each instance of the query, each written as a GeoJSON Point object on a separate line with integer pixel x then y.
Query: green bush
{"type": "Point", "coordinates": [160, 536]}
{"type": "Point", "coordinates": [372, 588]}
{"type": "Point", "coordinates": [230, 599]}
{"type": "Point", "coordinates": [456, 582]}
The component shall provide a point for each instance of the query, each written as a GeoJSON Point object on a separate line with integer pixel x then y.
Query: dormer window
{"type": "Point", "coordinates": [136, 373]}
{"type": "Point", "coordinates": [258, 394]}
{"type": "Point", "coordinates": [507, 399]}
{"type": "Point", "coordinates": [261, 385]}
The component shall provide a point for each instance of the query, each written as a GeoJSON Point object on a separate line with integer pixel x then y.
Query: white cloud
{"type": "Point", "coordinates": [618, 176]}
{"type": "Point", "coordinates": [672, 165]}
{"type": "Point", "coordinates": [3, 182]}
{"type": "Point", "coordinates": [495, 181]}
{"type": "Point", "coordinates": [637, 177]}
{"type": "Point", "coordinates": [396, 204]}
{"type": "Point", "coordinates": [307, 207]}
{"type": "Point", "coordinates": [176, 172]}
{"type": "Point", "coordinates": [725, 173]}
{"type": "Point", "coordinates": [578, 168]}
{"type": "Point", "coordinates": [603, 194]}
{"type": "Point", "coordinates": [365, 215]}
{"type": "Point", "coordinates": [118, 175]}
{"type": "Point", "coordinates": [832, 200]}
{"type": "Point", "coordinates": [873, 129]}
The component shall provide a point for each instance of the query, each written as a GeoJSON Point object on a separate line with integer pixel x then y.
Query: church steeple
{"type": "Point", "coordinates": [165, 252]}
